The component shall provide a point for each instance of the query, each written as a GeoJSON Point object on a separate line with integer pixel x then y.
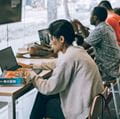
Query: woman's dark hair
{"type": "Point", "coordinates": [106, 4]}
{"type": "Point", "coordinates": [117, 11]}
{"type": "Point", "coordinates": [100, 12]}
{"type": "Point", "coordinates": [62, 28]}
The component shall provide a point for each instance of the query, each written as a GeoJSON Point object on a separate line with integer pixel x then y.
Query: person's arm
{"type": "Point", "coordinates": [45, 66]}
{"type": "Point", "coordinates": [57, 82]}
{"type": "Point", "coordinates": [80, 28]}
{"type": "Point", "coordinates": [25, 65]}
{"type": "Point", "coordinates": [86, 45]}
{"type": "Point", "coordinates": [89, 49]}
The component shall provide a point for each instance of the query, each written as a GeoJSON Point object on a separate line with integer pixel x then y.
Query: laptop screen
{"type": "Point", "coordinates": [7, 59]}
{"type": "Point", "coordinates": [44, 36]}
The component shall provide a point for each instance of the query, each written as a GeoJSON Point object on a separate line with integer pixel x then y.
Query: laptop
{"type": "Point", "coordinates": [44, 36]}
{"type": "Point", "coordinates": [8, 59]}
{"type": "Point", "coordinates": [8, 62]}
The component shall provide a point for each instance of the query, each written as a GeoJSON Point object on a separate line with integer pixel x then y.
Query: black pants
{"type": "Point", "coordinates": [47, 106]}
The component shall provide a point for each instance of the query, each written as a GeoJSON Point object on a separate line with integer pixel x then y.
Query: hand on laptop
{"type": "Point", "coordinates": [29, 76]}
{"type": "Point", "coordinates": [25, 65]}
{"type": "Point", "coordinates": [24, 73]}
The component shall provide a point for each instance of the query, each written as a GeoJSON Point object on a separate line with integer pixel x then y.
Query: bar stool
{"type": "Point", "coordinates": [112, 88]}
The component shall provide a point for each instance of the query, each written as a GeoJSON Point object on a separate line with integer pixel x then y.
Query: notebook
{"type": "Point", "coordinates": [17, 81]}
{"type": "Point", "coordinates": [8, 59]}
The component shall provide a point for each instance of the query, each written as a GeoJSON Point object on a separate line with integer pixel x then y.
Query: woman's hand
{"type": "Point", "coordinates": [25, 73]}
{"type": "Point", "coordinates": [25, 65]}
{"type": "Point", "coordinates": [27, 76]}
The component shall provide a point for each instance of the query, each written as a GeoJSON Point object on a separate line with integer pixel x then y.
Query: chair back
{"type": "Point", "coordinates": [98, 105]}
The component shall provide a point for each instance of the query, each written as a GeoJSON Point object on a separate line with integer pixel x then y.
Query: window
{"type": "Point", "coordinates": [34, 18]}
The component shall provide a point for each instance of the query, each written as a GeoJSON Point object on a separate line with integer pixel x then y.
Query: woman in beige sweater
{"type": "Point", "coordinates": [76, 77]}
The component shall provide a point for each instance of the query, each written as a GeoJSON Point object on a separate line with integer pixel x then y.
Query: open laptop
{"type": "Point", "coordinates": [8, 60]}
{"type": "Point", "coordinates": [44, 36]}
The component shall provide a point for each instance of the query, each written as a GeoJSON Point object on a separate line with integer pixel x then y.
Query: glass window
{"type": "Point", "coordinates": [37, 14]}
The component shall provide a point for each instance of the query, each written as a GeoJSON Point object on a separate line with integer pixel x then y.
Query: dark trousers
{"type": "Point", "coordinates": [47, 106]}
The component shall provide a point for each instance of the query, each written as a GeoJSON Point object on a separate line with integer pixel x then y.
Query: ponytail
{"type": "Point", "coordinates": [79, 39]}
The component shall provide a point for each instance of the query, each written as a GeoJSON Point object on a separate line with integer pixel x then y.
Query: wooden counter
{"type": "Point", "coordinates": [11, 93]}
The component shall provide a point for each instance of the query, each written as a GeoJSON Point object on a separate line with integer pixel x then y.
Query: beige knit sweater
{"type": "Point", "coordinates": [77, 79]}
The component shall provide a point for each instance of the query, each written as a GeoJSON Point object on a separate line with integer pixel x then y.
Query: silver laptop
{"type": "Point", "coordinates": [44, 36]}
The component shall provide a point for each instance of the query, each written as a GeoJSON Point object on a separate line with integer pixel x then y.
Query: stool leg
{"type": "Point", "coordinates": [114, 100]}
{"type": "Point", "coordinates": [118, 85]}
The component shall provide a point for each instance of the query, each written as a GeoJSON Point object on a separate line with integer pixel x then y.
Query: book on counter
{"type": "Point", "coordinates": [13, 78]}
{"type": "Point", "coordinates": [12, 81]}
